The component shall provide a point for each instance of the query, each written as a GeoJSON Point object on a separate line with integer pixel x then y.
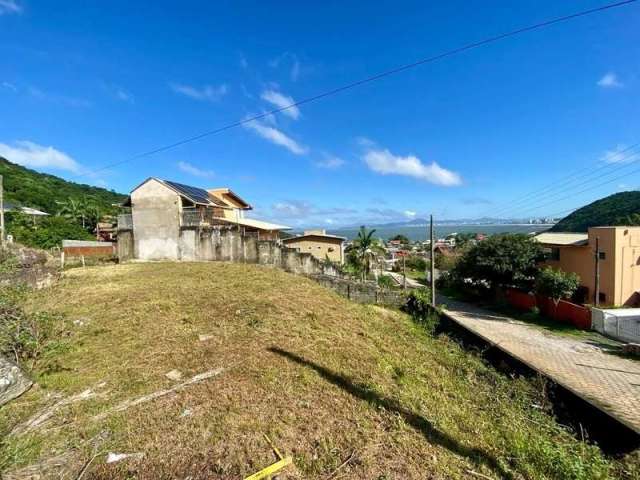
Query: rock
{"type": "Point", "coordinates": [631, 349]}
{"type": "Point", "coordinates": [117, 457]}
{"type": "Point", "coordinates": [174, 375]}
{"type": "Point", "coordinates": [187, 412]}
{"type": "Point", "coordinates": [204, 337]}
{"type": "Point", "coordinates": [13, 382]}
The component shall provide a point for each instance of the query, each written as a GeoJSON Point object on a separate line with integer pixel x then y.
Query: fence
{"type": "Point", "coordinates": [563, 311]}
{"type": "Point", "coordinates": [359, 292]}
{"type": "Point", "coordinates": [622, 324]}
{"type": "Point", "coordinates": [82, 249]}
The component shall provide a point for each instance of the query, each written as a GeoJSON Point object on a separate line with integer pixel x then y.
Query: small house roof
{"type": "Point", "coordinates": [254, 223]}
{"type": "Point", "coordinates": [563, 239]}
{"type": "Point", "coordinates": [314, 235]}
{"type": "Point", "coordinates": [10, 207]}
{"type": "Point", "coordinates": [224, 194]}
{"type": "Point", "coordinates": [196, 195]}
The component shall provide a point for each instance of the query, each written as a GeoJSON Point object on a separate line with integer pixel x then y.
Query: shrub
{"type": "Point", "coordinates": [385, 281]}
{"type": "Point", "coordinates": [418, 305]}
{"type": "Point", "coordinates": [24, 337]}
{"type": "Point", "coordinates": [414, 262]}
{"type": "Point", "coordinates": [556, 284]}
{"type": "Point", "coordinates": [501, 260]}
{"type": "Point", "coordinates": [47, 232]}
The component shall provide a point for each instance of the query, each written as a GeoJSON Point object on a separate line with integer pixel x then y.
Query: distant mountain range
{"type": "Point", "coordinates": [420, 222]}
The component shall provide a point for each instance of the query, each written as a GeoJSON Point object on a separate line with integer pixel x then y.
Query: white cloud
{"type": "Point", "coordinates": [243, 62]}
{"type": "Point", "coordinates": [281, 101]}
{"type": "Point", "coordinates": [58, 99]}
{"type": "Point", "coordinates": [409, 214]}
{"type": "Point", "coordinates": [292, 209]}
{"type": "Point", "coordinates": [208, 93]}
{"type": "Point", "coordinates": [9, 86]}
{"type": "Point", "coordinates": [195, 171]}
{"type": "Point", "coordinates": [610, 80]}
{"type": "Point", "coordinates": [30, 154]}
{"type": "Point", "coordinates": [276, 136]}
{"type": "Point", "coordinates": [123, 95]}
{"type": "Point", "coordinates": [330, 162]}
{"type": "Point", "coordinates": [386, 163]}
{"type": "Point", "coordinates": [9, 6]}
{"type": "Point", "coordinates": [329, 221]}
{"type": "Point", "coordinates": [621, 154]}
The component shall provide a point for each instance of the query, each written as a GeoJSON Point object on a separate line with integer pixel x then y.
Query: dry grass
{"type": "Point", "coordinates": [327, 380]}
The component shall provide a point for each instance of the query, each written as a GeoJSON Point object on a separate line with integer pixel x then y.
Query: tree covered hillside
{"type": "Point", "coordinates": [74, 209]}
{"type": "Point", "coordinates": [618, 209]}
{"type": "Point", "coordinates": [29, 188]}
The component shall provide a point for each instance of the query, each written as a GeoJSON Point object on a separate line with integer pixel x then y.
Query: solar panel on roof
{"type": "Point", "coordinates": [198, 195]}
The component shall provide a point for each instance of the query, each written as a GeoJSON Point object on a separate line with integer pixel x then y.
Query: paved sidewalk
{"type": "Point", "coordinates": [398, 278]}
{"type": "Point", "coordinates": [610, 383]}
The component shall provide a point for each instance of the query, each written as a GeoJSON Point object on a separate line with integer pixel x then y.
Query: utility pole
{"type": "Point", "coordinates": [404, 272]}
{"type": "Point", "coordinates": [2, 235]}
{"type": "Point", "coordinates": [596, 290]}
{"type": "Point", "coordinates": [433, 265]}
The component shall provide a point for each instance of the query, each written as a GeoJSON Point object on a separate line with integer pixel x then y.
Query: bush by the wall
{"type": "Point", "coordinates": [418, 305]}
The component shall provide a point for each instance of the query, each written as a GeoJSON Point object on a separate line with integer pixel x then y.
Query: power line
{"type": "Point", "coordinates": [587, 189]}
{"type": "Point", "coordinates": [623, 165]}
{"type": "Point", "coordinates": [366, 80]}
{"type": "Point", "coordinates": [507, 207]}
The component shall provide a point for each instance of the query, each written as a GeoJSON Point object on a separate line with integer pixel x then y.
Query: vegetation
{"type": "Point", "coordinates": [74, 209]}
{"type": "Point", "coordinates": [501, 260]}
{"type": "Point", "coordinates": [403, 239]}
{"type": "Point", "coordinates": [26, 337]}
{"type": "Point", "coordinates": [23, 186]}
{"type": "Point", "coordinates": [332, 383]}
{"type": "Point", "coordinates": [556, 284]}
{"type": "Point", "coordinates": [47, 232]}
{"type": "Point", "coordinates": [616, 209]}
{"type": "Point", "coordinates": [363, 251]}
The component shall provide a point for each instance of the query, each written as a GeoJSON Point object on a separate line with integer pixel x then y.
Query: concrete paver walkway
{"type": "Point", "coordinates": [610, 383]}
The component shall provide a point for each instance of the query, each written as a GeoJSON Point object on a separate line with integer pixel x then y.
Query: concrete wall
{"type": "Point", "coordinates": [319, 247]}
{"type": "Point", "coordinates": [125, 245]}
{"type": "Point", "coordinates": [226, 244]}
{"type": "Point", "coordinates": [156, 222]}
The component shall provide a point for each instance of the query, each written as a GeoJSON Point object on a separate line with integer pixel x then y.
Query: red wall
{"type": "Point", "coordinates": [89, 251]}
{"type": "Point", "coordinates": [565, 312]}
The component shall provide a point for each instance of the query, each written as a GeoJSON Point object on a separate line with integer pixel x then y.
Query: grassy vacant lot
{"type": "Point", "coordinates": [348, 391]}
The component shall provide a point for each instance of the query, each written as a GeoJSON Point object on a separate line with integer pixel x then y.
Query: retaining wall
{"type": "Point", "coordinates": [230, 245]}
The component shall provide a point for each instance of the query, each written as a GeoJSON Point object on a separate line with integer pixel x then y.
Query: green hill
{"type": "Point", "coordinates": [612, 210]}
{"type": "Point", "coordinates": [29, 188]}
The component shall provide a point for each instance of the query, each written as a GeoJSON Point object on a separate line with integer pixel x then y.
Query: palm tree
{"type": "Point", "coordinates": [367, 249]}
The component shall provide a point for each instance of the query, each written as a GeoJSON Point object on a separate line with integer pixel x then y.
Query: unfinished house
{"type": "Point", "coordinates": [319, 244]}
{"type": "Point", "coordinates": [172, 221]}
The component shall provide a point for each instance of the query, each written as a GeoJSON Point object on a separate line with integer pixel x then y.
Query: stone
{"type": "Point", "coordinates": [174, 375]}
{"type": "Point", "coordinates": [204, 337]}
{"type": "Point", "coordinates": [13, 382]}
{"type": "Point", "coordinates": [117, 457]}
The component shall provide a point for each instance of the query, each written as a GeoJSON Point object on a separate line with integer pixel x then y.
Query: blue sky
{"type": "Point", "coordinates": [88, 84]}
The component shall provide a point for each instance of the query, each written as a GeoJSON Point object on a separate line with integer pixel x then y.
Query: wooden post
{"type": "Point", "coordinates": [433, 264]}
{"type": "Point", "coordinates": [596, 290]}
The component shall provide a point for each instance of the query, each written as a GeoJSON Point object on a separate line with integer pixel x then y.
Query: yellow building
{"type": "Point", "coordinates": [619, 261]}
{"type": "Point", "coordinates": [318, 244]}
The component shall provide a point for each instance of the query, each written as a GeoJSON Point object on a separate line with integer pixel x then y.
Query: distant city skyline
{"type": "Point", "coordinates": [526, 128]}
